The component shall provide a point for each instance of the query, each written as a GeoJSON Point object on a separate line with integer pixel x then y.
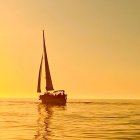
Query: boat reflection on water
{"type": "Point", "coordinates": [44, 120]}
{"type": "Point", "coordinates": [45, 112]}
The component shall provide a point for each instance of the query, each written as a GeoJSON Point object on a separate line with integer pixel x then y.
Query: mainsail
{"type": "Point", "coordinates": [39, 76]}
{"type": "Point", "coordinates": [49, 85]}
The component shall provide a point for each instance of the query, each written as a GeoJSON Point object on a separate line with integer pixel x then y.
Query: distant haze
{"type": "Point", "coordinates": [93, 47]}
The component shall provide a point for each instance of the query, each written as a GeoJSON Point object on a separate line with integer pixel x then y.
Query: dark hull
{"type": "Point", "coordinates": [53, 100]}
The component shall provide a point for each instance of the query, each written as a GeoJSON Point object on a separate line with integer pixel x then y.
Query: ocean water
{"type": "Point", "coordinates": [27, 119]}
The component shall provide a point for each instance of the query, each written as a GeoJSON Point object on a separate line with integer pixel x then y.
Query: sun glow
{"type": "Point", "coordinates": [93, 47]}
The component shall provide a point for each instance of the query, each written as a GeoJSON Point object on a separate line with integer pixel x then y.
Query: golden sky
{"type": "Point", "coordinates": [93, 47]}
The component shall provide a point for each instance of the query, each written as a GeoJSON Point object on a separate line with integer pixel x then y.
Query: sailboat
{"type": "Point", "coordinates": [50, 96]}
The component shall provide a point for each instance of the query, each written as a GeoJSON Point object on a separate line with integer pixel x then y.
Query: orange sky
{"type": "Point", "coordinates": [93, 47]}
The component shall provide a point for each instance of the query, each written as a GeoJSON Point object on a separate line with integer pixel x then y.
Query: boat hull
{"type": "Point", "coordinates": [53, 100]}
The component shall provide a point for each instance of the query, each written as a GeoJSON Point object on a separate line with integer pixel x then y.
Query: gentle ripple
{"type": "Point", "coordinates": [27, 119]}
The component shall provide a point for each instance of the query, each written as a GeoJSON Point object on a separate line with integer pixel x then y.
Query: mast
{"type": "Point", "coordinates": [49, 85]}
{"type": "Point", "coordinates": [39, 76]}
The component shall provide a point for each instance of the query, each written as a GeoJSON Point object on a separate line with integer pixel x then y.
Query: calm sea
{"type": "Point", "coordinates": [27, 119]}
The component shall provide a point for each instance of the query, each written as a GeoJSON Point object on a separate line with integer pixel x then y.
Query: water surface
{"type": "Point", "coordinates": [27, 119]}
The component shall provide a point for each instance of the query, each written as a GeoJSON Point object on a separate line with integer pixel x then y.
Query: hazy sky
{"type": "Point", "coordinates": [93, 47]}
